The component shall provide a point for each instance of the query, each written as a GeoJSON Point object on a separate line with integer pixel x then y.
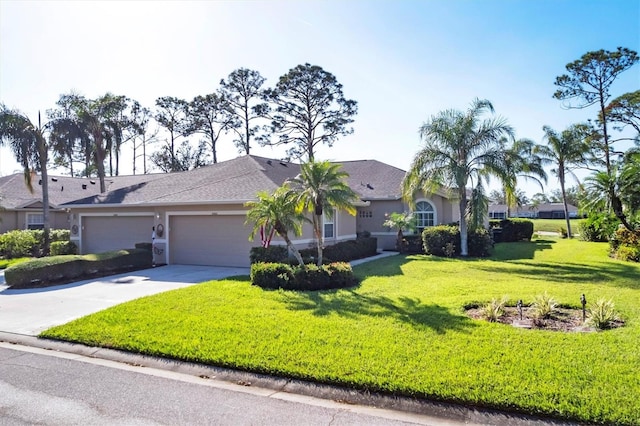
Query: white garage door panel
{"type": "Point", "coordinates": [209, 240]}
{"type": "Point", "coordinates": [104, 233]}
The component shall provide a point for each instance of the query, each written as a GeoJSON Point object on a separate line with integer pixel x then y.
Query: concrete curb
{"type": "Point", "coordinates": [444, 413]}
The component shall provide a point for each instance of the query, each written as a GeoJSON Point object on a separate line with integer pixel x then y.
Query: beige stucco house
{"type": "Point", "coordinates": [199, 215]}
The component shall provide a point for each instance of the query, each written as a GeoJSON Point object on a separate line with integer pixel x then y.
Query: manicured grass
{"type": "Point", "coordinates": [554, 225]}
{"type": "Point", "coordinates": [404, 331]}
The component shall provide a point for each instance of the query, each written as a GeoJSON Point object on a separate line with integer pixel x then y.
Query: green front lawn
{"type": "Point", "coordinates": [554, 225]}
{"type": "Point", "coordinates": [403, 331]}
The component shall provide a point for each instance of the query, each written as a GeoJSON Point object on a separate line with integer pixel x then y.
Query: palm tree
{"type": "Point", "coordinates": [400, 221]}
{"type": "Point", "coordinates": [277, 211]}
{"type": "Point", "coordinates": [521, 161]}
{"type": "Point", "coordinates": [321, 188]}
{"type": "Point", "coordinates": [459, 147]}
{"type": "Point", "coordinates": [564, 151]}
{"type": "Point", "coordinates": [29, 146]}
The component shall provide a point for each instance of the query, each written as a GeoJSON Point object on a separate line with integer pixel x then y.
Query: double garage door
{"type": "Point", "coordinates": [209, 240]}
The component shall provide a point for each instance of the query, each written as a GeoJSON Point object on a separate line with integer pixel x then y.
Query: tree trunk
{"type": "Point", "coordinates": [292, 248]}
{"type": "Point", "coordinates": [464, 244]}
{"type": "Point", "coordinates": [246, 127]}
{"type": "Point", "coordinates": [45, 195]}
{"type": "Point", "coordinates": [399, 239]}
{"type": "Point", "coordinates": [564, 202]}
{"type": "Point", "coordinates": [317, 220]}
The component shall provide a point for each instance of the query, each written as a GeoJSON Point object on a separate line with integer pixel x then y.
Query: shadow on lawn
{"type": "Point", "coordinates": [385, 267]}
{"type": "Point", "coordinates": [405, 309]}
{"type": "Point", "coordinates": [612, 274]}
{"type": "Point", "coordinates": [520, 250]}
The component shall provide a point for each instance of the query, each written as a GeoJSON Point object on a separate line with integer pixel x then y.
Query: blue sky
{"type": "Point", "coordinates": [403, 61]}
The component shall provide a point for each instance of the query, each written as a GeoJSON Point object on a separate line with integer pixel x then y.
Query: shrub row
{"type": "Point", "coordinates": [69, 267]}
{"type": "Point", "coordinates": [340, 252]}
{"type": "Point", "coordinates": [444, 240]}
{"type": "Point", "coordinates": [513, 230]}
{"type": "Point", "coordinates": [306, 278]}
{"type": "Point", "coordinates": [28, 242]}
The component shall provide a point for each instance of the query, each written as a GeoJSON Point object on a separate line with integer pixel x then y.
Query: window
{"type": "Point", "coordinates": [424, 214]}
{"type": "Point", "coordinates": [365, 214]}
{"type": "Point", "coordinates": [35, 221]}
{"type": "Point", "coordinates": [328, 228]}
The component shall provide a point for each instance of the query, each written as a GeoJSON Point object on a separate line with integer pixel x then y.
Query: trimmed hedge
{"type": "Point", "coordinates": [306, 278]}
{"type": "Point", "coordinates": [513, 230]}
{"type": "Point", "coordinates": [437, 240]}
{"type": "Point", "coordinates": [44, 270]}
{"type": "Point", "coordinates": [268, 254]}
{"type": "Point", "coordinates": [344, 251]}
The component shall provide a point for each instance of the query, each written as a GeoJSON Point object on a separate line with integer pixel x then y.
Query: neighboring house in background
{"type": "Point", "coordinates": [541, 211]}
{"type": "Point", "coordinates": [199, 215]}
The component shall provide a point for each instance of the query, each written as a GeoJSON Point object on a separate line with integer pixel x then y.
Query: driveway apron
{"type": "Point", "coordinates": [31, 311]}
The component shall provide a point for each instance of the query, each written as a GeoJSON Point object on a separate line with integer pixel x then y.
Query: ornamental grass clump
{"type": "Point", "coordinates": [493, 310]}
{"type": "Point", "coordinates": [602, 314]}
{"type": "Point", "coordinates": [543, 306]}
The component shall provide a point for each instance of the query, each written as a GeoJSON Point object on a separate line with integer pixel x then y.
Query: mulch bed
{"type": "Point", "coordinates": [563, 319]}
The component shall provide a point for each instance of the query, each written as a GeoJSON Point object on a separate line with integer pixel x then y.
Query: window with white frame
{"type": "Point", "coordinates": [35, 221]}
{"type": "Point", "coordinates": [424, 214]}
{"type": "Point", "coordinates": [365, 214]}
{"type": "Point", "coordinates": [328, 225]}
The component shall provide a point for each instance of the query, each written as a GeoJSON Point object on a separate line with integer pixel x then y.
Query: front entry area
{"type": "Point", "coordinates": [218, 240]}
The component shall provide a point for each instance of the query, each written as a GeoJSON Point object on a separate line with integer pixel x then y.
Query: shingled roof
{"type": "Point", "coordinates": [62, 189]}
{"type": "Point", "coordinates": [232, 181]}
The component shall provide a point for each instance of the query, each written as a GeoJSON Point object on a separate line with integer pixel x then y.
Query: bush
{"type": "Point", "coordinates": [341, 275]}
{"type": "Point", "coordinates": [513, 230]}
{"type": "Point", "coordinates": [306, 278]}
{"type": "Point", "coordinates": [543, 306]}
{"type": "Point", "coordinates": [598, 227]}
{"type": "Point", "coordinates": [68, 267]}
{"type": "Point", "coordinates": [311, 277]}
{"type": "Point", "coordinates": [479, 243]}
{"type": "Point", "coordinates": [63, 247]}
{"type": "Point", "coordinates": [444, 240]}
{"type": "Point", "coordinates": [28, 242]}
{"type": "Point", "coordinates": [268, 254]}
{"type": "Point", "coordinates": [625, 244]}
{"type": "Point", "coordinates": [413, 244]}
{"type": "Point", "coordinates": [17, 244]}
{"type": "Point", "coordinates": [344, 251]}
{"type": "Point", "coordinates": [271, 275]}
{"type": "Point", "coordinates": [602, 314]}
{"type": "Point", "coordinates": [493, 310]}
{"type": "Point", "coordinates": [436, 238]}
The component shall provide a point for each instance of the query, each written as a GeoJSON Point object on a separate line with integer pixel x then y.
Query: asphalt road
{"type": "Point", "coordinates": [52, 388]}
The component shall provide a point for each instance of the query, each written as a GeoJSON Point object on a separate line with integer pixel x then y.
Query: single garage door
{"type": "Point", "coordinates": [104, 233]}
{"type": "Point", "coordinates": [209, 240]}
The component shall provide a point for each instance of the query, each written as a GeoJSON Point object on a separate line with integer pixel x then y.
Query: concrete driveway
{"type": "Point", "coordinates": [31, 311]}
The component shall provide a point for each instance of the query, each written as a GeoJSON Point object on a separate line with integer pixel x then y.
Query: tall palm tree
{"type": "Point", "coordinates": [564, 151]}
{"type": "Point", "coordinates": [30, 148]}
{"type": "Point", "coordinates": [521, 161]}
{"type": "Point", "coordinates": [321, 188]}
{"type": "Point", "coordinates": [277, 211]}
{"type": "Point", "coordinates": [459, 147]}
